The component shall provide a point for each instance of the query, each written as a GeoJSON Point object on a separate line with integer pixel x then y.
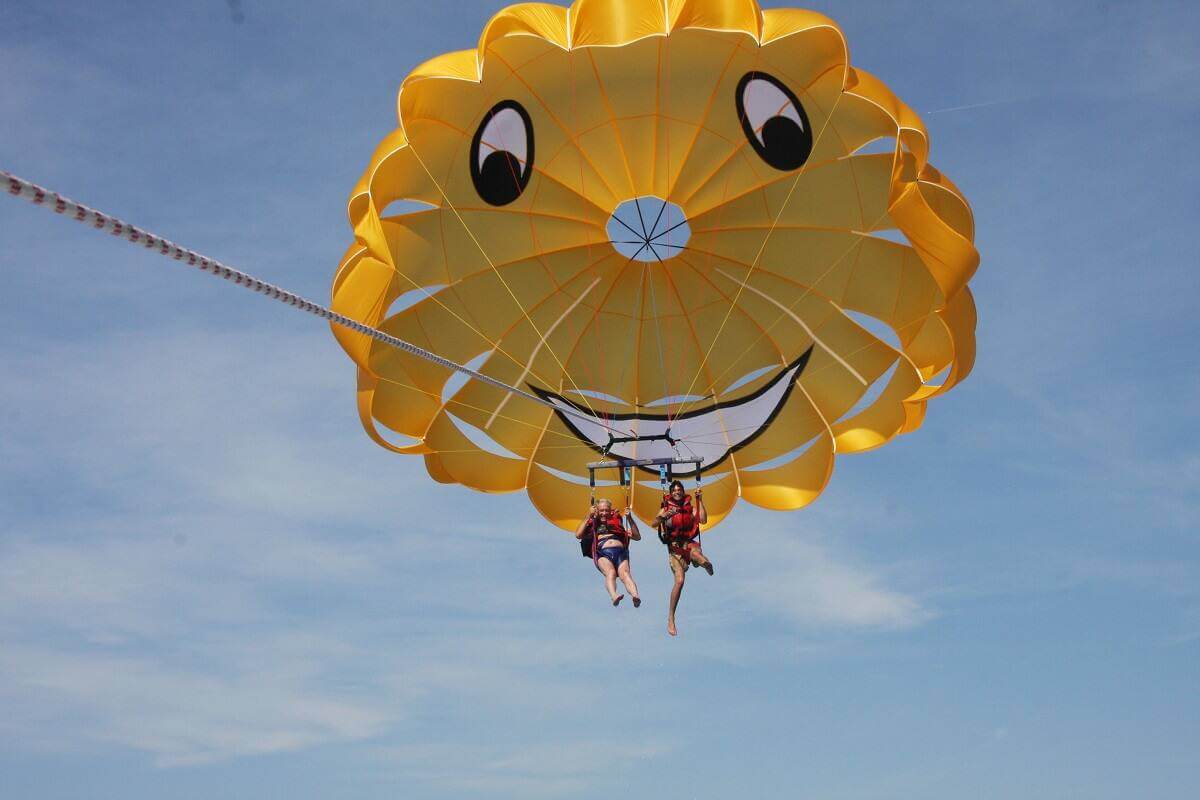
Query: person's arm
{"type": "Point", "coordinates": [701, 512]}
{"type": "Point", "coordinates": [634, 533]}
{"type": "Point", "coordinates": [583, 523]}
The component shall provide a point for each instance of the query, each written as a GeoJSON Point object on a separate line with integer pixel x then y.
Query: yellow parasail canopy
{"type": "Point", "coordinates": [691, 218]}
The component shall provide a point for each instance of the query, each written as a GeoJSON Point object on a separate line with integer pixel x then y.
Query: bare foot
{"type": "Point", "coordinates": [617, 600]}
{"type": "Point", "coordinates": [671, 627]}
{"type": "Point", "coordinates": [708, 567]}
{"type": "Point", "coordinates": [637, 602]}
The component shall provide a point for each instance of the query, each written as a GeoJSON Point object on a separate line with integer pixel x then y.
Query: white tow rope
{"type": "Point", "coordinates": [39, 196]}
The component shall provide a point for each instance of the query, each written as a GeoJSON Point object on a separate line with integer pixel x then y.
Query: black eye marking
{"type": "Point", "coordinates": [774, 121]}
{"type": "Point", "coordinates": [502, 153]}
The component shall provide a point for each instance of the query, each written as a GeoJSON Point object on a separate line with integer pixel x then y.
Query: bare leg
{"type": "Point", "coordinates": [676, 591]}
{"type": "Point", "coordinates": [610, 578]}
{"type": "Point", "coordinates": [701, 561]}
{"type": "Point", "coordinates": [627, 578]}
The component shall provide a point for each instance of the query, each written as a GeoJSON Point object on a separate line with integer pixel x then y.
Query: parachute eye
{"type": "Point", "coordinates": [502, 153]}
{"type": "Point", "coordinates": [774, 121]}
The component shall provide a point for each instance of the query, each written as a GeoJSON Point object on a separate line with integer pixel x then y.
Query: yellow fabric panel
{"type": "Point", "coordinates": [560, 317]}
{"type": "Point", "coordinates": [647, 500]}
{"type": "Point", "coordinates": [717, 169]}
{"type": "Point", "coordinates": [540, 20]}
{"type": "Point", "coordinates": [732, 15]}
{"type": "Point", "coordinates": [631, 102]}
{"type": "Point", "coordinates": [780, 23]}
{"type": "Point", "coordinates": [750, 344]}
{"type": "Point", "coordinates": [857, 122]}
{"type": "Point", "coordinates": [560, 450]}
{"type": "Point", "coordinates": [563, 504]}
{"type": "Point", "coordinates": [740, 343]}
{"type": "Point", "coordinates": [415, 240]}
{"type": "Point", "coordinates": [808, 53]}
{"type": "Point", "coordinates": [717, 164]}
{"type": "Point", "coordinates": [947, 202]}
{"type": "Point", "coordinates": [433, 465]}
{"type": "Point", "coordinates": [580, 141]}
{"type": "Point", "coordinates": [442, 314]}
{"type": "Point", "coordinates": [960, 319]}
{"type": "Point", "coordinates": [834, 383]}
{"type": "Point", "coordinates": [829, 256]}
{"type": "Point", "coordinates": [794, 484]}
{"type": "Point", "coordinates": [951, 257]}
{"type": "Point", "coordinates": [461, 65]}
{"type": "Point", "coordinates": [720, 496]}
{"type": "Point", "coordinates": [932, 348]}
{"type": "Point", "coordinates": [910, 129]}
{"type": "Point", "coordinates": [363, 291]}
{"type": "Point", "coordinates": [615, 22]}
{"type": "Point", "coordinates": [914, 415]}
{"type": "Point", "coordinates": [392, 174]}
{"type": "Point", "coordinates": [847, 194]}
{"type": "Point", "coordinates": [469, 465]}
{"type": "Point", "coordinates": [398, 404]}
{"type": "Point", "coordinates": [604, 359]}
{"type": "Point", "coordinates": [883, 419]}
{"type": "Point", "coordinates": [367, 414]}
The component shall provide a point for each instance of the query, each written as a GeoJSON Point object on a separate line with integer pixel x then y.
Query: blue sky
{"type": "Point", "coordinates": [212, 583]}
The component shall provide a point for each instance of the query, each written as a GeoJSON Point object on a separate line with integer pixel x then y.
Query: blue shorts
{"type": "Point", "coordinates": [617, 555]}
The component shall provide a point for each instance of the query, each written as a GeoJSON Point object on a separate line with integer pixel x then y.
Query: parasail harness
{"type": "Point", "coordinates": [674, 537]}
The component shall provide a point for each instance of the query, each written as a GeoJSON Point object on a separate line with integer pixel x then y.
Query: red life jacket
{"type": "Point", "coordinates": [682, 524]}
{"type": "Point", "coordinates": [590, 541]}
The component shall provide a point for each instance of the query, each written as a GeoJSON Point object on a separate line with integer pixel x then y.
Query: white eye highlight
{"type": "Point", "coordinates": [764, 100]}
{"type": "Point", "coordinates": [504, 133]}
{"type": "Point", "coordinates": [774, 121]}
{"type": "Point", "coordinates": [502, 153]}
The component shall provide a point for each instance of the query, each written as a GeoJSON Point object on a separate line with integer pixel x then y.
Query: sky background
{"type": "Point", "coordinates": [213, 584]}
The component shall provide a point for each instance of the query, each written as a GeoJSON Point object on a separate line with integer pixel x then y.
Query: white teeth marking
{"type": "Point", "coordinates": [709, 435]}
{"type": "Point", "coordinates": [505, 132]}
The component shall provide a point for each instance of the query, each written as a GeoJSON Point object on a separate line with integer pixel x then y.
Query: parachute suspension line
{"type": "Point", "coordinates": [503, 282]}
{"type": "Point", "coordinates": [762, 248]}
{"type": "Point", "coordinates": [662, 102]}
{"type": "Point", "coordinates": [594, 368]}
{"type": "Point", "coordinates": [626, 474]}
{"type": "Point", "coordinates": [40, 196]}
{"type": "Point", "coordinates": [662, 361]}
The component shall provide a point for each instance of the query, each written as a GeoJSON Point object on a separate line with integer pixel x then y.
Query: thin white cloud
{"type": "Point", "coordinates": [535, 769]}
{"type": "Point", "coordinates": [807, 583]}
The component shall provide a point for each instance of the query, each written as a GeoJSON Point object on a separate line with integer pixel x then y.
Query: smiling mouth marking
{"type": "Point", "coordinates": [710, 434]}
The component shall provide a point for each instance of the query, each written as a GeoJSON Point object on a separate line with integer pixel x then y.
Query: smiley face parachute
{"type": "Point", "coordinates": [692, 221]}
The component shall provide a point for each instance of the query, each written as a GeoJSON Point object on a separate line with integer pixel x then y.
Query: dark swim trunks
{"type": "Point", "coordinates": [617, 555]}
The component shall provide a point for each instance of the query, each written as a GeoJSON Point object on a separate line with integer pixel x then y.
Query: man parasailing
{"type": "Point", "coordinates": [678, 524]}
